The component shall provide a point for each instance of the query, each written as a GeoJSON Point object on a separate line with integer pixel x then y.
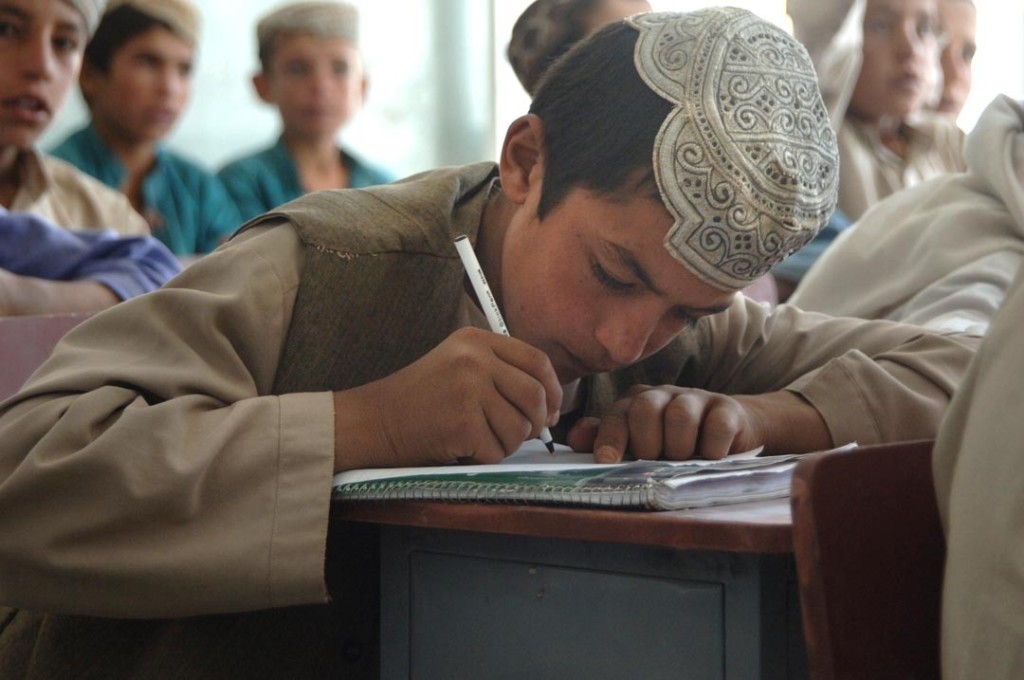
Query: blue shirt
{"type": "Point", "coordinates": [796, 265]}
{"type": "Point", "coordinates": [127, 265]}
{"type": "Point", "coordinates": [264, 180]}
{"type": "Point", "coordinates": [186, 206]}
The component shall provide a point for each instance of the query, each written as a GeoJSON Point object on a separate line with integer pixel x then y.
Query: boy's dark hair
{"type": "Point", "coordinates": [600, 120]}
{"type": "Point", "coordinates": [117, 27]}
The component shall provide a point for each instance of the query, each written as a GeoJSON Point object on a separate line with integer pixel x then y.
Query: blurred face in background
{"type": "Point", "coordinates": [958, 19]}
{"type": "Point", "coordinates": [900, 55]}
{"type": "Point", "coordinates": [318, 84]}
{"type": "Point", "coordinates": [145, 90]}
{"type": "Point", "coordinates": [41, 46]}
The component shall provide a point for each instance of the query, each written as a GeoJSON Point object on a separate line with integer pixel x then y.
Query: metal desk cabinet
{"type": "Point", "coordinates": [458, 604]}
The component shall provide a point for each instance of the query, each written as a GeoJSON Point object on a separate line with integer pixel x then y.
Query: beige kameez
{"type": "Point", "coordinates": [166, 462]}
{"type": "Point", "coordinates": [68, 197]}
{"type": "Point", "coordinates": [979, 479]}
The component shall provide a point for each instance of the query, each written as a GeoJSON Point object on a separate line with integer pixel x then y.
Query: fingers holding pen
{"type": "Point", "coordinates": [533, 384]}
{"type": "Point", "coordinates": [500, 386]}
{"type": "Point", "coordinates": [485, 394]}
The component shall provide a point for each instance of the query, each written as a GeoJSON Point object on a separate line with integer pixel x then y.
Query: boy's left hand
{"type": "Point", "coordinates": [679, 422]}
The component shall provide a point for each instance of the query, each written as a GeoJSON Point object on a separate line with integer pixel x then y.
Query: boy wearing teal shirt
{"type": "Point", "coordinates": [186, 206]}
{"type": "Point", "coordinates": [269, 178]}
{"type": "Point", "coordinates": [136, 79]}
{"type": "Point", "coordinates": [312, 71]}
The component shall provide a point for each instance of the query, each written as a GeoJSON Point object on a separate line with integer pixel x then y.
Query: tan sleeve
{"type": "Point", "coordinates": [816, 22]}
{"type": "Point", "coordinates": [74, 200]}
{"type": "Point", "coordinates": [979, 484]}
{"type": "Point", "coordinates": [872, 381]}
{"type": "Point", "coordinates": [147, 471]}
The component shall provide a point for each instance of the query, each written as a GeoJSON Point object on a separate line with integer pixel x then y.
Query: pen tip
{"type": "Point", "coordinates": [550, 446]}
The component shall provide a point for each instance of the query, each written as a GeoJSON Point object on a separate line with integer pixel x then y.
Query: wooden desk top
{"type": "Point", "coordinates": [762, 527]}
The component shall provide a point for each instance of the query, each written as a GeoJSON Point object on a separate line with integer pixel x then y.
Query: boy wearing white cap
{"type": "Point", "coordinates": [312, 71]}
{"type": "Point", "coordinates": [136, 80]}
{"type": "Point", "coordinates": [339, 332]}
{"type": "Point", "coordinates": [40, 55]}
{"type": "Point", "coordinates": [43, 199]}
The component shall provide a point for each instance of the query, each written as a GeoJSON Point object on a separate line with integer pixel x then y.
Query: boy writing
{"type": "Point", "coordinates": [339, 332]}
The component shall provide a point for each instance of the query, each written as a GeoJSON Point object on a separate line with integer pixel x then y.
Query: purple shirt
{"type": "Point", "coordinates": [129, 266]}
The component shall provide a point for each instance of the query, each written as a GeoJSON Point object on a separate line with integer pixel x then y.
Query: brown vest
{"type": "Point", "coordinates": [373, 297]}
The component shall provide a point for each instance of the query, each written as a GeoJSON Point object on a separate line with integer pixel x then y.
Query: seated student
{"type": "Point", "coordinates": [548, 28]}
{"type": "Point", "coordinates": [136, 80]}
{"type": "Point", "coordinates": [41, 45]}
{"type": "Point", "coordinates": [876, 61]}
{"type": "Point", "coordinates": [312, 71]}
{"type": "Point", "coordinates": [46, 269]}
{"type": "Point", "coordinates": [979, 484]}
{"type": "Point", "coordinates": [876, 75]}
{"type": "Point", "coordinates": [959, 20]}
{"type": "Point", "coordinates": [941, 254]}
{"type": "Point", "coordinates": [186, 471]}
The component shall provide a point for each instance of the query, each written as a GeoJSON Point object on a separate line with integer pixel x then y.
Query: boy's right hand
{"type": "Point", "coordinates": [478, 395]}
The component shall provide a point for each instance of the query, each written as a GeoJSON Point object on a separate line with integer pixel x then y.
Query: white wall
{"type": "Point", "coordinates": [999, 64]}
{"type": "Point", "coordinates": [441, 89]}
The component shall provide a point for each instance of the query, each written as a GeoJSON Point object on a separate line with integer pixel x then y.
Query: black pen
{"type": "Point", "coordinates": [490, 305]}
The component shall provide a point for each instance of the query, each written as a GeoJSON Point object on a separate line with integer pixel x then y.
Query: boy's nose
{"type": "Point", "coordinates": [36, 58]}
{"type": "Point", "coordinates": [908, 41]}
{"type": "Point", "coordinates": [624, 339]}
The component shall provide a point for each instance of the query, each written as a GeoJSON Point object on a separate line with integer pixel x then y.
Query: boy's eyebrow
{"type": "Point", "coordinates": [627, 259]}
{"type": "Point", "coordinates": [708, 311]}
{"type": "Point", "coordinates": [24, 15]}
{"type": "Point", "coordinates": [16, 11]}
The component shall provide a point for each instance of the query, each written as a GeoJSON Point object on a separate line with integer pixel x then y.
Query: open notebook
{"type": "Point", "coordinates": [532, 475]}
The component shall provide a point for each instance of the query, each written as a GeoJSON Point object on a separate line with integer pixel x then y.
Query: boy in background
{"type": "Point", "coordinates": [59, 228]}
{"type": "Point", "coordinates": [959, 19]}
{"type": "Point", "coordinates": [312, 71]}
{"type": "Point", "coordinates": [877, 62]}
{"type": "Point", "coordinates": [136, 80]}
{"type": "Point", "coordinates": [548, 28]}
{"type": "Point", "coordinates": [41, 45]}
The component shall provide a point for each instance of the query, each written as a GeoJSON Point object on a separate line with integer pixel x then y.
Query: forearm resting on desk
{"type": "Point", "coordinates": [789, 423]}
{"type": "Point", "coordinates": [29, 295]}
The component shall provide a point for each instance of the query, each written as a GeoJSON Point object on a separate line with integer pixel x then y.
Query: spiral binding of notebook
{"type": "Point", "coordinates": [638, 495]}
{"type": "Point", "coordinates": [649, 485]}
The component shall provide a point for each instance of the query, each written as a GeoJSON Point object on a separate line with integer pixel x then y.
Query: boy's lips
{"type": "Point", "coordinates": [162, 116]}
{"type": "Point", "coordinates": [27, 108]}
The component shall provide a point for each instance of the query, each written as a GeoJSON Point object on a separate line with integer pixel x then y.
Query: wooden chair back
{"type": "Point", "coordinates": [870, 554]}
{"type": "Point", "coordinates": [26, 342]}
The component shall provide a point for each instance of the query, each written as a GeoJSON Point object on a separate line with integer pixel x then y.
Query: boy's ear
{"type": "Point", "coordinates": [522, 157]}
{"type": "Point", "coordinates": [262, 87]}
{"type": "Point", "coordinates": [87, 80]}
